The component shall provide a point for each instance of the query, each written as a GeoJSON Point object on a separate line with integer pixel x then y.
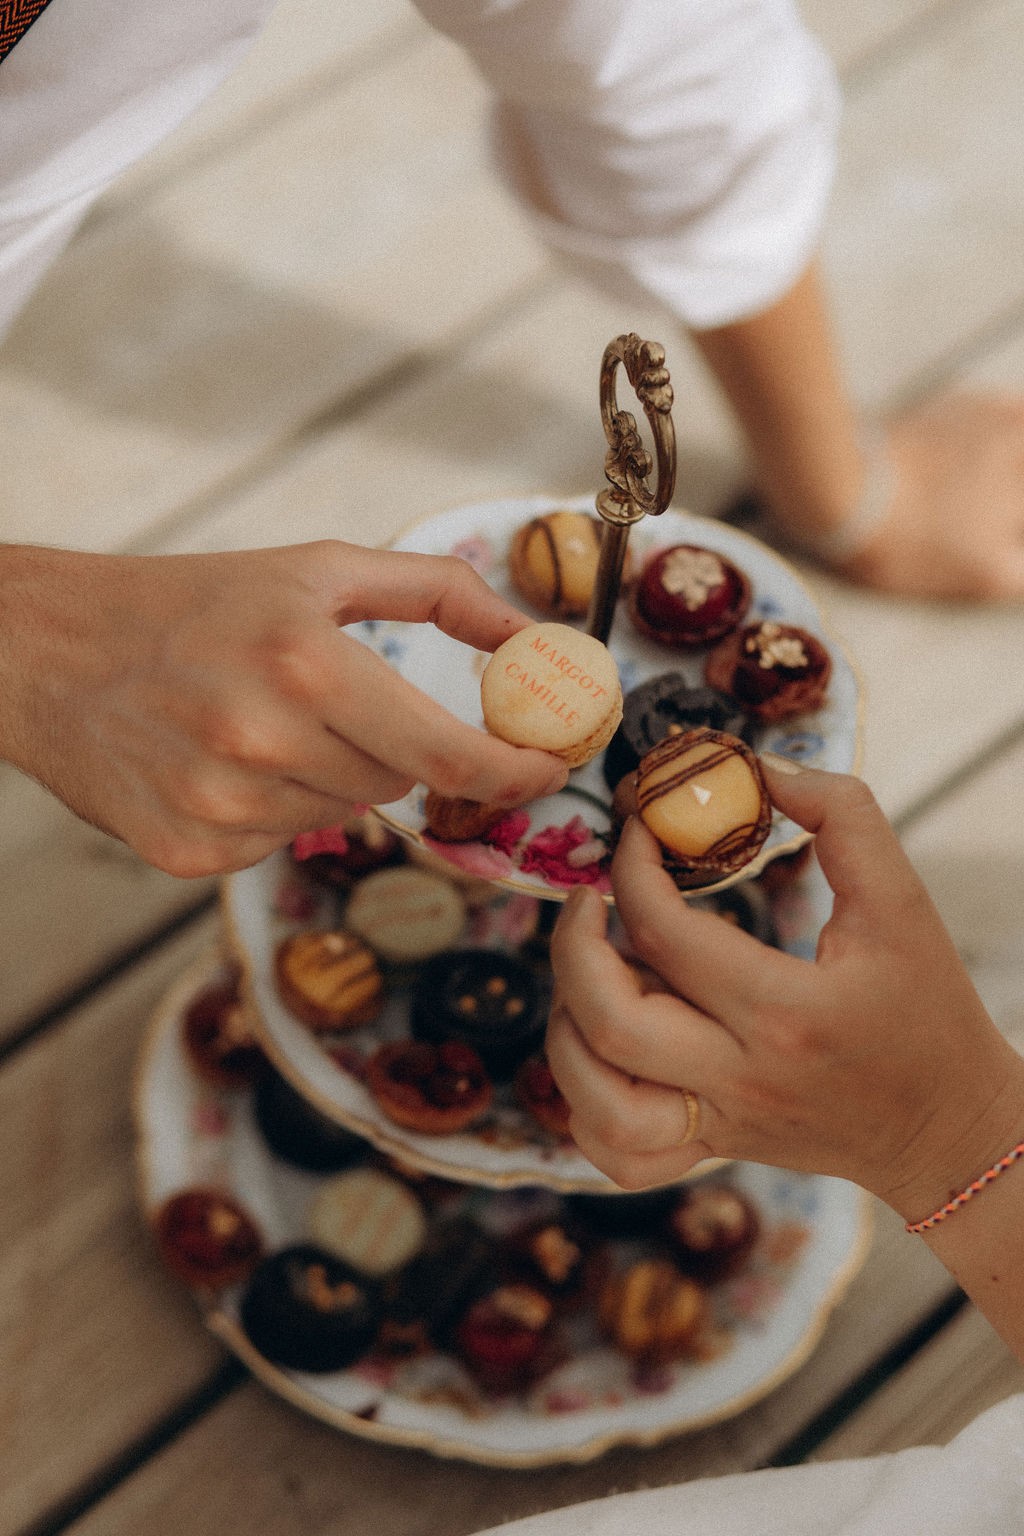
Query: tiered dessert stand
{"type": "Point", "coordinates": [190, 1133]}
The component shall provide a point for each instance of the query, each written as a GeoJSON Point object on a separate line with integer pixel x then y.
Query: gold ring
{"type": "Point", "coordinates": [692, 1116]}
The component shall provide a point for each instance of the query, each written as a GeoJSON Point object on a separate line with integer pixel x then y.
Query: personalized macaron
{"type": "Point", "coordinates": [368, 1219]}
{"type": "Point", "coordinates": [555, 688]}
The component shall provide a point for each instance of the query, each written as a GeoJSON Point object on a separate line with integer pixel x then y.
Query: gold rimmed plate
{"type": "Point", "coordinates": [815, 1236]}
{"type": "Point", "coordinates": [449, 672]}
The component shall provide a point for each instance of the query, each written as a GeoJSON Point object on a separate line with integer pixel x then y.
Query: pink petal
{"type": "Point", "coordinates": [324, 840]}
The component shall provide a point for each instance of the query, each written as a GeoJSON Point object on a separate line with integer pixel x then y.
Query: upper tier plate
{"type": "Point", "coordinates": [450, 673]}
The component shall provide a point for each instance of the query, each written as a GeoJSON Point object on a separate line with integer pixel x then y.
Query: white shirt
{"type": "Point", "coordinates": [679, 151]}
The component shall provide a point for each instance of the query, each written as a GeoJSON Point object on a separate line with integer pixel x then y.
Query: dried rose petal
{"type": "Point", "coordinates": [507, 832]}
{"type": "Point", "coordinates": [548, 853]}
{"type": "Point", "coordinates": [325, 840]}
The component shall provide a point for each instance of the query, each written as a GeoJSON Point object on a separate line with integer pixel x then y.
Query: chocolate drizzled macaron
{"type": "Point", "coordinates": [703, 796]}
{"type": "Point", "coordinates": [553, 561]}
{"type": "Point", "coordinates": [552, 687]}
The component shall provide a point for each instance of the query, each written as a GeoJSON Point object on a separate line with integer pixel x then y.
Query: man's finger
{"type": "Point", "coordinates": [423, 589]}
{"type": "Point", "coordinates": [371, 705]}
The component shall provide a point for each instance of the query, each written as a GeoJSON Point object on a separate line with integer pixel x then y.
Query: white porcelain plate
{"type": "Point", "coordinates": [450, 673]}
{"type": "Point", "coordinates": [768, 1319]}
{"type": "Point", "coordinates": [508, 1148]}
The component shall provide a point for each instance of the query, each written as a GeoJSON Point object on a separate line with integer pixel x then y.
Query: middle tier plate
{"type": "Point", "coordinates": [507, 1148]}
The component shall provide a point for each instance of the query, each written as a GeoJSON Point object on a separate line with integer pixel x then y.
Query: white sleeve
{"type": "Point", "coordinates": [90, 87]}
{"type": "Point", "coordinates": [680, 151]}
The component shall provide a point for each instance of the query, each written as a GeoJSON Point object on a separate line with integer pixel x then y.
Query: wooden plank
{"type": "Point", "coordinates": [74, 901]}
{"type": "Point", "coordinates": [970, 853]}
{"type": "Point", "coordinates": [96, 1343]}
{"type": "Point", "coordinates": [928, 219]}
{"type": "Point", "coordinates": [958, 1375]}
{"type": "Point", "coordinates": [172, 347]}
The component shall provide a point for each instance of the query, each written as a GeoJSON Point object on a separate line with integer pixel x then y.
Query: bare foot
{"type": "Point", "coordinates": [955, 525]}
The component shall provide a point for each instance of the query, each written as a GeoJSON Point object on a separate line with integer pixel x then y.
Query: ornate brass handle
{"type": "Point", "coordinates": [627, 463]}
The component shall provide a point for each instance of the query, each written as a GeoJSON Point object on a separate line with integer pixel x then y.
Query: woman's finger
{"type": "Point", "coordinates": [722, 970]}
{"type": "Point", "coordinates": [856, 847]}
{"type": "Point", "coordinates": [641, 1033]}
{"type": "Point", "coordinates": [627, 1115]}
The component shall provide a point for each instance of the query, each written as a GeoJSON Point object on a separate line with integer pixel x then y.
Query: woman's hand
{"type": "Point", "coordinates": [875, 1062]}
{"type": "Point", "coordinates": [207, 708]}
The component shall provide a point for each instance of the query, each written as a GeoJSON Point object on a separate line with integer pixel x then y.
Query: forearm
{"type": "Point", "coordinates": [780, 373]}
{"type": "Point", "coordinates": [982, 1246]}
{"type": "Point", "coordinates": [981, 1243]}
{"type": "Point", "coordinates": [36, 633]}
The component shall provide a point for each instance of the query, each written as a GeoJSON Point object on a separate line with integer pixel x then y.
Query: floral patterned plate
{"type": "Point", "coordinates": [768, 1319]}
{"type": "Point", "coordinates": [542, 854]}
{"type": "Point", "coordinates": [508, 1148]}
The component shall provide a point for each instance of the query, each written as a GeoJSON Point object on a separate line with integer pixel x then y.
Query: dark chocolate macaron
{"type": "Point", "coordinates": [300, 1134]}
{"type": "Point", "coordinates": [660, 707]}
{"type": "Point", "coordinates": [306, 1309]}
{"type": "Point", "coordinates": [484, 997]}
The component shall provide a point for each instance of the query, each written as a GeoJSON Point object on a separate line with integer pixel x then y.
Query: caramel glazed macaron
{"type": "Point", "coordinates": [703, 796]}
{"type": "Point", "coordinates": [551, 686]}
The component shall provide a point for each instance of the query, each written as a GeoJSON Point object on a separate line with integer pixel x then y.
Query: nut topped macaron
{"type": "Point", "coordinates": [703, 796]}
{"type": "Point", "coordinates": [555, 688]}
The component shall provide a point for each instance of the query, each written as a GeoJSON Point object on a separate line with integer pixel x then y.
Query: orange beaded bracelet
{"type": "Point", "coordinates": [974, 1188]}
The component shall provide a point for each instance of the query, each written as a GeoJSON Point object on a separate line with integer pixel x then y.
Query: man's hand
{"type": "Point", "coordinates": [955, 524]}
{"type": "Point", "coordinates": [206, 709]}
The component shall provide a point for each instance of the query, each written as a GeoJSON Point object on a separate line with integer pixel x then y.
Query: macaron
{"type": "Point", "coordinates": [307, 1310]}
{"type": "Point", "coordinates": [772, 670]}
{"type": "Point", "coordinates": [555, 688]}
{"type": "Point", "coordinates": [703, 796]}
{"type": "Point", "coordinates": [688, 596]}
{"type": "Point", "coordinates": [406, 915]}
{"type": "Point", "coordinates": [553, 561]}
{"type": "Point", "coordinates": [328, 980]}
{"type": "Point", "coordinates": [369, 1220]}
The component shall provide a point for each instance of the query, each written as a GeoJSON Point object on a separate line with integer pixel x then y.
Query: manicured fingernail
{"type": "Point", "coordinates": [780, 764]}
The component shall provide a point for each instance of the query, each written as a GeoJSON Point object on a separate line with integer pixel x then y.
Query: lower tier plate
{"type": "Point", "coordinates": [815, 1233]}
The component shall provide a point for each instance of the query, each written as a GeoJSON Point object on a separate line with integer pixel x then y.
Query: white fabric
{"type": "Point", "coordinates": [675, 150]}
{"type": "Point", "coordinates": [972, 1487]}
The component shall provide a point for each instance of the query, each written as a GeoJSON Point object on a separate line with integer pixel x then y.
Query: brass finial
{"type": "Point", "coordinates": [627, 463]}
